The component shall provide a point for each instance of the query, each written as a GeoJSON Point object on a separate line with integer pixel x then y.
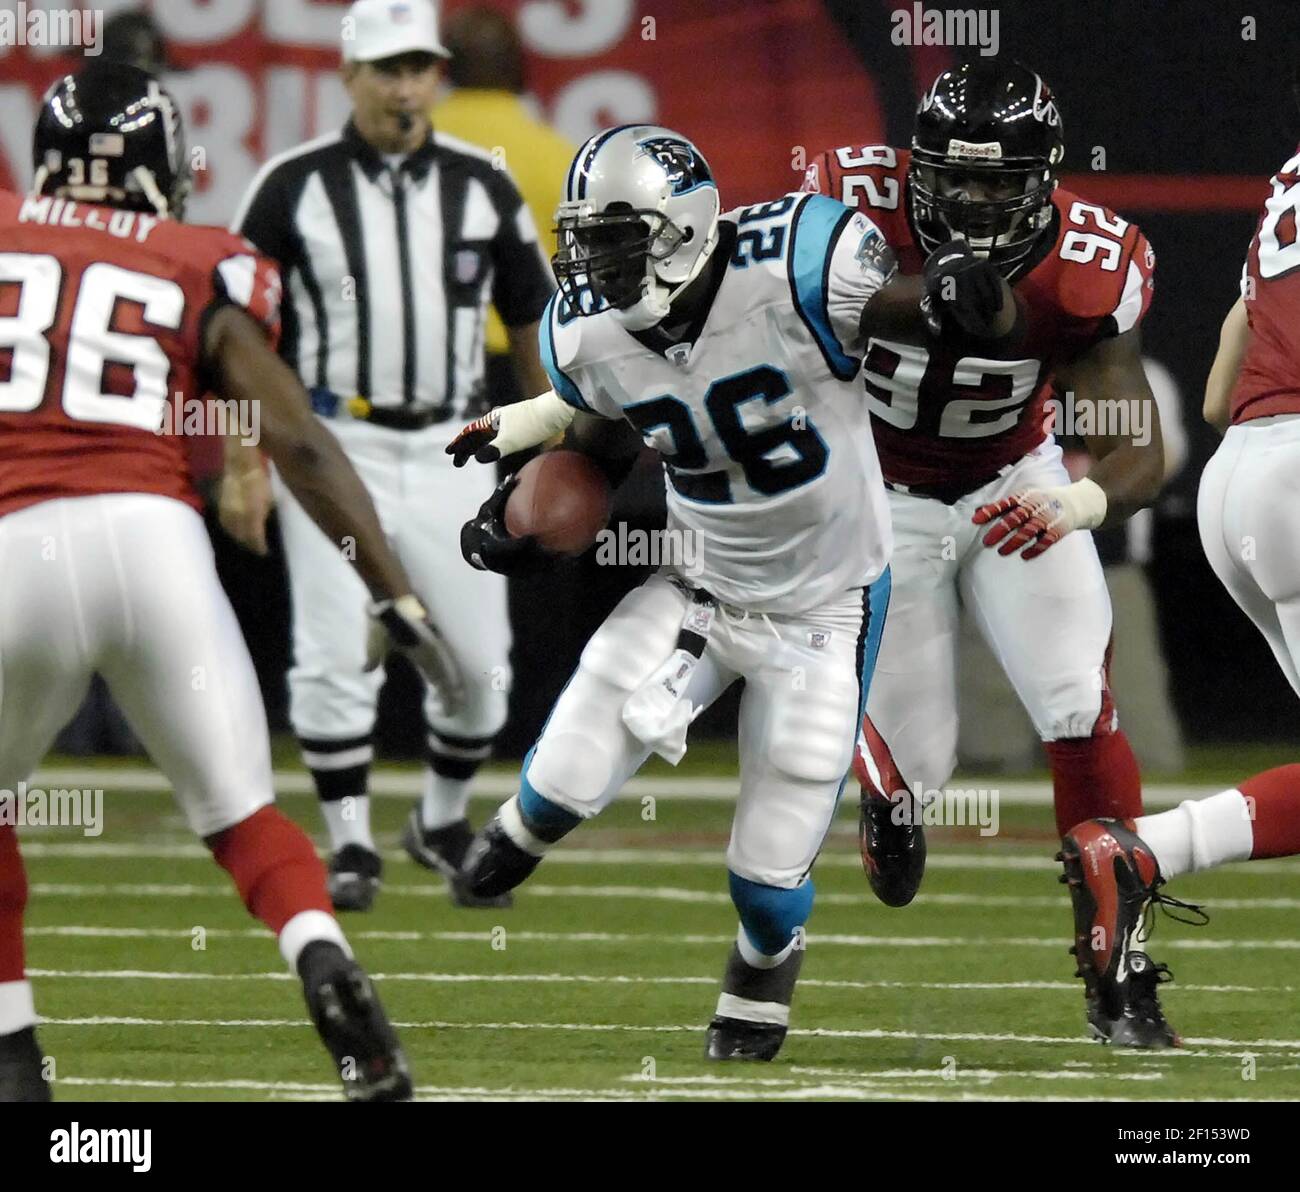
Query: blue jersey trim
{"type": "Point", "coordinates": [561, 382]}
{"type": "Point", "coordinates": [814, 233]}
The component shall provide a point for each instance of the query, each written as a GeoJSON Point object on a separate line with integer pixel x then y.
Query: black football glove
{"type": "Point", "coordinates": [963, 287]}
{"type": "Point", "coordinates": [489, 546]}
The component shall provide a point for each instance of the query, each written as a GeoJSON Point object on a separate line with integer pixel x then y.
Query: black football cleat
{"type": "Point", "coordinates": [1114, 880]}
{"type": "Point", "coordinates": [1143, 1023]}
{"type": "Point", "coordinates": [737, 1039]}
{"type": "Point", "coordinates": [443, 851]}
{"type": "Point", "coordinates": [892, 844]}
{"type": "Point", "coordinates": [730, 1037]}
{"type": "Point", "coordinates": [355, 874]}
{"type": "Point", "coordinates": [346, 1012]}
{"type": "Point", "coordinates": [494, 864]}
{"type": "Point", "coordinates": [890, 836]}
{"type": "Point", "coordinates": [22, 1068]}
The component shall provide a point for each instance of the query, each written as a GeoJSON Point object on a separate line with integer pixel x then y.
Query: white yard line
{"type": "Point", "coordinates": [1230, 1045]}
{"type": "Point", "coordinates": [438, 978]}
{"type": "Point", "coordinates": [72, 846]}
{"type": "Point", "coordinates": [434, 889]}
{"type": "Point", "coordinates": [392, 783]}
{"type": "Point", "coordinates": [653, 1091]}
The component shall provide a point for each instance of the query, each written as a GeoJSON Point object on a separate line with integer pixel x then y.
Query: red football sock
{"type": "Point", "coordinates": [1274, 801]}
{"type": "Point", "coordinates": [13, 900]}
{"type": "Point", "coordinates": [274, 866]}
{"type": "Point", "coordinates": [878, 775]}
{"type": "Point", "coordinates": [1094, 778]}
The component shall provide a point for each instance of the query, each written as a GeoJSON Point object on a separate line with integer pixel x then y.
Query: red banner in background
{"type": "Point", "coordinates": [752, 83]}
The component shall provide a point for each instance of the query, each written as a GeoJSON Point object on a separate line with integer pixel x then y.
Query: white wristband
{"type": "Point", "coordinates": [1084, 503]}
{"type": "Point", "coordinates": [527, 423]}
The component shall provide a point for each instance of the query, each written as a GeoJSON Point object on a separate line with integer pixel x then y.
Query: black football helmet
{"type": "Point", "coordinates": [985, 151]}
{"type": "Point", "coordinates": [112, 135]}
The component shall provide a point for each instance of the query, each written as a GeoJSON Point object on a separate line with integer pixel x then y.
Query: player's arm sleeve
{"type": "Point", "coordinates": [250, 281]}
{"type": "Point", "coordinates": [1137, 290]}
{"type": "Point", "coordinates": [521, 277]}
{"type": "Point", "coordinates": [838, 260]}
{"type": "Point", "coordinates": [554, 334]}
{"type": "Point", "coordinates": [818, 178]}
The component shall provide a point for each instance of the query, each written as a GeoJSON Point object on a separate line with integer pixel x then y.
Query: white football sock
{"type": "Point", "coordinates": [512, 821]}
{"type": "Point", "coordinates": [348, 821]}
{"type": "Point", "coordinates": [307, 927]}
{"type": "Point", "coordinates": [444, 801]}
{"type": "Point", "coordinates": [17, 1009]}
{"type": "Point", "coordinates": [1199, 834]}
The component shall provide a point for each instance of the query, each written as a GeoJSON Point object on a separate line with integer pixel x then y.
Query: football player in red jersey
{"type": "Point", "coordinates": [110, 309]}
{"type": "Point", "coordinates": [965, 443]}
{"type": "Point", "coordinates": [1248, 509]}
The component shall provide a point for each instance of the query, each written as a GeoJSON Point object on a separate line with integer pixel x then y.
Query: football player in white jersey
{"type": "Point", "coordinates": [730, 342]}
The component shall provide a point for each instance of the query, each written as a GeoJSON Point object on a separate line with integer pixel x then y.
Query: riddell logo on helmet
{"type": "Point", "coordinates": [970, 150]}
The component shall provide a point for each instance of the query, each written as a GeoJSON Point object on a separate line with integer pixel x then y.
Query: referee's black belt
{"type": "Point", "coordinates": [328, 404]}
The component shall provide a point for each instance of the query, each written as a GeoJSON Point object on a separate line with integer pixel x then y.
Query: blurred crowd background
{"type": "Point", "coordinates": [1176, 114]}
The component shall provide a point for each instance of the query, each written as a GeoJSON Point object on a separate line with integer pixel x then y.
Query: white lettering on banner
{"type": "Point", "coordinates": [550, 27]}
{"type": "Point", "coordinates": [223, 95]}
{"type": "Point", "coordinates": [304, 23]}
{"type": "Point", "coordinates": [203, 21]}
{"type": "Point", "coordinates": [239, 99]}
{"type": "Point", "coordinates": [19, 107]}
{"type": "Point", "coordinates": [300, 104]}
{"type": "Point", "coordinates": [602, 99]}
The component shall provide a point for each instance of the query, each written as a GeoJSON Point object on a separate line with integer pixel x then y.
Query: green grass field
{"type": "Point", "coordinates": [599, 982]}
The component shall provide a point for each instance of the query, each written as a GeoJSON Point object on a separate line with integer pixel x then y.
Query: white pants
{"type": "Point", "coordinates": [1047, 621]}
{"type": "Point", "coordinates": [804, 679]}
{"type": "Point", "coordinates": [124, 584]}
{"type": "Point", "coordinates": [1248, 510]}
{"type": "Point", "coordinates": [422, 501]}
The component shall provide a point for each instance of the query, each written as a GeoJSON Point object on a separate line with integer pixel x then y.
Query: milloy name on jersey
{"type": "Point", "coordinates": [765, 437]}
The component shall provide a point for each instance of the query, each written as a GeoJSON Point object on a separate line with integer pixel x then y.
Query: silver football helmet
{"type": "Point", "coordinates": [637, 224]}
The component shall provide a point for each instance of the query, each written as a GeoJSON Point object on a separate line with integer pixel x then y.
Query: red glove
{"type": "Point", "coordinates": [1036, 519]}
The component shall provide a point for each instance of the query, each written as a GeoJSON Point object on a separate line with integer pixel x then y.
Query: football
{"type": "Point", "coordinates": [562, 499]}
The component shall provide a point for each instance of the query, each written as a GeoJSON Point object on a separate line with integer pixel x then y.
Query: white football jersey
{"type": "Point", "coordinates": [766, 441]}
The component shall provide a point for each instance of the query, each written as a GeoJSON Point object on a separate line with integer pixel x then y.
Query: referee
{"type": "Point", "coordinates": [392, 238]}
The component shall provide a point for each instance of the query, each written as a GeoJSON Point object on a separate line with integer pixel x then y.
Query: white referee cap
{"type": "Point", "coordinates": [375, 29]}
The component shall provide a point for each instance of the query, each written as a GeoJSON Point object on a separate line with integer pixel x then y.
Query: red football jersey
{"type": "Point", "coordinates": [945, 419]}
{"type": "Point", "coordinates": [1268, 381]}
{"type": "Point", "coordinates": [101, 321]}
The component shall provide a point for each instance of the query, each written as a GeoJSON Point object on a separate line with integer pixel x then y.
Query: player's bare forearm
{"type": "Point", "coordinates": [1111, 396]}
{"type": "Point", "coordinates": [1233, 339]}
{"type": "Point", "coordinates": [895, 312]}
{"type": "Point", "coordinates": [527, 358]}
{"type": "Point", "coordinates": [308, 457]}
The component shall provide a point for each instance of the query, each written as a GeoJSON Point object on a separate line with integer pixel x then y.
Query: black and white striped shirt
{"type": "Point", "coordinates": [388, 267]}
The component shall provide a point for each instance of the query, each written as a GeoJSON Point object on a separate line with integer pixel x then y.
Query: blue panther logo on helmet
{"type": "Point", "coordinates": [685, 168]}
